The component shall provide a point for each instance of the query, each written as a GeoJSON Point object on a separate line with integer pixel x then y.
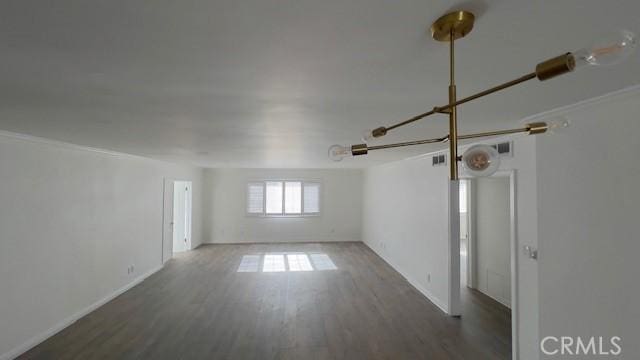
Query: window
{"type": "Point", "coordinates": [283, 198]}
{"type": "Point", "coordinates": [311, 198]}
{"type": "Point", "coordinates": [292, 197]}
{"type": "Point", "coordinates": [274, 197]}
{"type": "Point", "coordinates": [255, 198]}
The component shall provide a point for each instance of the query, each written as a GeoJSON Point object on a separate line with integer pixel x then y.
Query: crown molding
{"type": "Point", "coordinates": [69, 146]}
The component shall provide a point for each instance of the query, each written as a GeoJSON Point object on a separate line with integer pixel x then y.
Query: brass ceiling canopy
{"type": "Point", "coordinates": [454, 25]}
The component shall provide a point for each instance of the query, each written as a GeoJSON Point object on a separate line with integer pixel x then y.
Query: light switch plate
{"type": "Point", "coordinates": [531, 252]}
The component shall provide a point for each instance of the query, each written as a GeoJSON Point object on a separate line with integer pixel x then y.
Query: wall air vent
{"type": "Point", "coordinates": [439, 160]}
{"type": "Point", "coordinates": [504, 148]}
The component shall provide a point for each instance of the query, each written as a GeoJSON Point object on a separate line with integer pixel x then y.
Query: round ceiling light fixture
{"type": "Point", "coordinates": [481, 160]}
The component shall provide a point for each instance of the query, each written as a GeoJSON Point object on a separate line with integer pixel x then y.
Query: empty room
{"type": "Point", "coordinates": [274, 179]}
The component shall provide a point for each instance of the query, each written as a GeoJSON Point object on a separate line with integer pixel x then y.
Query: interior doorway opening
{"type": "Point", "coordinates": [487, 250]}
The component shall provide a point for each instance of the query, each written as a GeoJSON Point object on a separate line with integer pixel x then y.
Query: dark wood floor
{"type": "Point", "coordinates": [199, 307]}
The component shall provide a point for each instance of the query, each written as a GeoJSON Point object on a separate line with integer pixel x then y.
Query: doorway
{"type": "Point", "coordinates": [181, 216]}
{"type": "Point", "coordinates": [177, 214]}
{"type": "Point", "coordinates": [487, 248]}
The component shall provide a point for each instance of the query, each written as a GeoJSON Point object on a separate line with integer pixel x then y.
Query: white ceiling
{"type": "Point", "coordinates": [273, 83]}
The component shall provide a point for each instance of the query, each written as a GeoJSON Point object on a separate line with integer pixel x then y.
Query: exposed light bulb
{"type": "Point", "coordinates": [481, 160]}
{"type": "Point", "coordinates": [557, 125]}
{"type": "Point", "coordinates": [609, 50]}
{"type": "Point", "coordinates": [367, 136]}
{"type": "Point", "coordinates": [339, 152]}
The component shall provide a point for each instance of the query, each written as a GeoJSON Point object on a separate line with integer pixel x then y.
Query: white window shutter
{"type": "Point", "coordinates": [311, 198]}
{"type": "Point", "coordinates": [292, 197]}
{"type": "Point", "coordinates": [274, 194]}
{"type": "Point", "coordinates": [255, 198]}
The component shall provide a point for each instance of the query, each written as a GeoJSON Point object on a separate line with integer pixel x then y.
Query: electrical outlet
{"type": "Point", "coordinates": [428, 277]}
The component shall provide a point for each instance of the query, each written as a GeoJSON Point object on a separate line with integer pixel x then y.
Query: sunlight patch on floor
{"type": "Point", "coordinates": [286, 261]}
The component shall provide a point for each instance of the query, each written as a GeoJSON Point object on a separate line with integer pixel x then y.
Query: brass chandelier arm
{"type": "Point", "coordinates": [545, 70]}
{"type": "Point", "coordinates": [508, 84]}
{"type": "Point", "coordinates": [410, 143]}
{"type": "Point", "coordinates": [443, 109]}
{"type": "Point", "coordinates": [494, 133]}
{"type": "Point", "coordinates": [530, 129]}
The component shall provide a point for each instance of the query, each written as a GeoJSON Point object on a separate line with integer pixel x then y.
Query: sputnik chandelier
{"type": "Point", "coordinates": [482, 160]}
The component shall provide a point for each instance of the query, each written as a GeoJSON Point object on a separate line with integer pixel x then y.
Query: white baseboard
{"type": "Point", "coordinates": [502, 301]}
{"type": "Point", "coordinates": [37, 339]}
{"type": "Point", "coordinates": [434, 299]}
{"type": "Point", "coordinates": [250, 242]}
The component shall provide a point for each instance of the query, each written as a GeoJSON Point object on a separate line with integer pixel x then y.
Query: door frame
{"type": "Point", "coordinates": [166, 251]}
{"type": "Point", "coordinates": [188, 214]}
{"type": "Point", "coordinates": [167, 217]}
{"type": "Point", "coordinates": [471, 276]}
{"type": "Point", "coordinates": [471, 280]}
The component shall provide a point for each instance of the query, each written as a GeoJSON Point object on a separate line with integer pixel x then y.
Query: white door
{"type": "Point", "coordinates": [167, 220]}
{"type": "Point", "coordinates": [182, 216]}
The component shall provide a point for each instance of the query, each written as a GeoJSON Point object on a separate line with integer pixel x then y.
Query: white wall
{"type": "Point", "coordinates": [589, 178]}
{"type": "Point", "coordinates": [71, 221]}
{"type": "Point", "coordinates": [492, 237]}
{"type": "Point", "coordinates": [227, 222]}
{"type": "Point", "coordinates": [405, 222]}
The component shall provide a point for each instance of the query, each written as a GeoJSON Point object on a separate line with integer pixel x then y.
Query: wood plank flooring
{"type": "Point", "coordinates": [199, 307]}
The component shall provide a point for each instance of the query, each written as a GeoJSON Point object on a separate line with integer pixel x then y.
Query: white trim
{"type": "Point", "coordinates": [513, 217]}
{"type": "Point", "coordinates": [283, 242]}
{"type": "Point", "coordinates": [453, 260]}
{"type": "Point", "coordinates": [432, 298]}
{"type": "Point", "coordinates": [70, 146]}
{"type": "Point", "coordinates": [39, 338]}
{"type": "Point", "coordinates": [583, 103]}
{"type": "Point", "coordinates": [165, 182]}
{"type": "Point", "coordinates": [513, 231]}
{"type": "Point", "coordinates": [471, 281]}
{"type": "Point", "coordinates": [294, 241]}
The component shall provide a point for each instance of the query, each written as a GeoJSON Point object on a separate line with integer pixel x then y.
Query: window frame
{"type": "Point", "coordinates": [264, 213]}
